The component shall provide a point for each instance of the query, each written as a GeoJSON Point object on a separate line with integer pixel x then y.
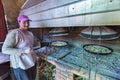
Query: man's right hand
{"type": "Point", "coordinates": [27, 51]}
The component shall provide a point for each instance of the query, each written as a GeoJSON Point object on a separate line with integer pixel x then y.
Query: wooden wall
{"type": "Point", "coordinates": [61, 13]}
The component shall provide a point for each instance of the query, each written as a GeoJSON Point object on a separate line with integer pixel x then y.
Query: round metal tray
{"type": "Point", "coordinates": [59, 43]}
{"type": "Point", "coordinates": [97, 49]}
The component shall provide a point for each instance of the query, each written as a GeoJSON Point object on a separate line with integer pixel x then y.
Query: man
{"type": "Point", "coordinates": [19, 45]}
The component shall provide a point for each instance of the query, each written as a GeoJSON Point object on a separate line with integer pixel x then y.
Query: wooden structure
{"type": "Point", "coordinates": [78, 13]}
{"type": "Point", "coordinates": [3, 28]}
{"type": "Point", "coordinates": [73, 60]}
{"type": "Point", "coordinates": [61, 13]}
{"type": "Point", "coordinates": [73, 13]}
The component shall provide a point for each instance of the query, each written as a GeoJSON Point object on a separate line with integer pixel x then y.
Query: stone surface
{"type": "Point", "coordinates": [105, 65]}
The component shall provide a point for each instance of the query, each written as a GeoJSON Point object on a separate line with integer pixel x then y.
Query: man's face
{"type": "Point", "coordinates": [24, 25]}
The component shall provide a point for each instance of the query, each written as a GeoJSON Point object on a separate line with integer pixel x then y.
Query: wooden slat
{"type": "Point", "coordinates": [101, 19]}
{"type": "Point", "coordinates": [46, 5]}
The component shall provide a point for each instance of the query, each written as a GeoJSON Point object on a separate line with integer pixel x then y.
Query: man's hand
{"type": "Point", "coordinates": [28, 51]}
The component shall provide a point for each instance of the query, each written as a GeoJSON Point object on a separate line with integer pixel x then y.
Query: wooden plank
{"type": "Point", "coordinates": [104, 5]}
{"type": "Point", "coordinates": [101, 19]}
{"type": "Point", "coordinates": [60, 22]}
{"type": "Point", "coordinates": [50, 14]}
{"type": "Point", "coordinates": [46, 5]}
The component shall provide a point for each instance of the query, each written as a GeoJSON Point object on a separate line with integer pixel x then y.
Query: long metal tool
{"type": "Point", "coordinates": [64, 55]}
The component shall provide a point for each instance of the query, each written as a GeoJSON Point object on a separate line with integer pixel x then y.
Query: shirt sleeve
{"type": "Point", "coordinates": [10, 43]}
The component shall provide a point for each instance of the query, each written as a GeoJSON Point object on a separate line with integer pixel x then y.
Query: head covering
{"type": "Point", "coordinates": [23, 18]}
